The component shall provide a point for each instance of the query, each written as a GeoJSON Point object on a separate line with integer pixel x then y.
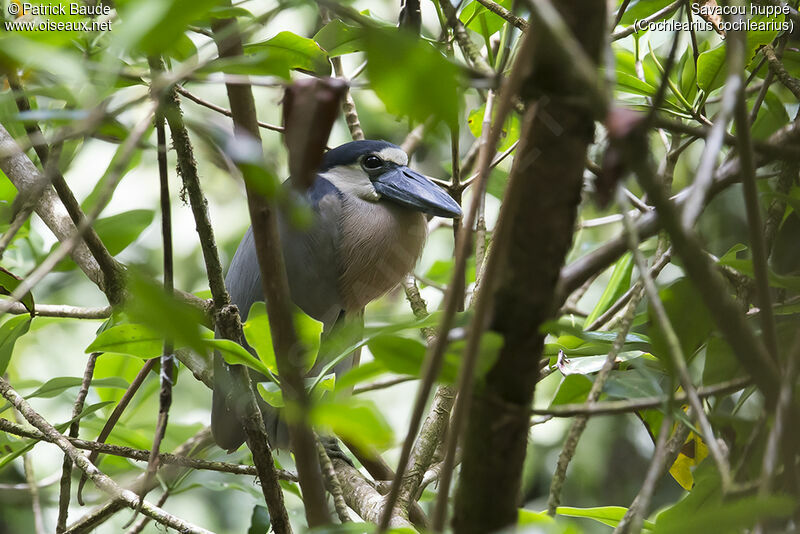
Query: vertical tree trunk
{"type": "Point", "coordinates": [540, 207]}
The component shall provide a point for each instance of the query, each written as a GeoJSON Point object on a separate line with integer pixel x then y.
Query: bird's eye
{"type": "Point", "coordinates": [372, 163]}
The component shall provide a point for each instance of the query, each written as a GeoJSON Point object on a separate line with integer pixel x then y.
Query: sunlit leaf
{"type": "Point", "coordinates": [152, 27]}
{"type": "Point", "coordinates": [617, 285]}
{"type": "Point", "coordinates": [688, 315]}
{"type": "Point", "coordinates": [354, 420]}
{"type": "Point", "coordinates": [338, 38]}
{"type": "Point", "coordinates": [692, 453]}
{"type": "Point", "coordinates": [258, 335]}
{"type": "Point", "coordinates": [608, 515]}
{"type": "Point", "coordinates": [475, 16]}
{"type": "Point", "coordinates": [401, 68]}
{"type": "Point", "coordinates": [235, 354]}
{"type": "Point", "coordinates": [129, 339]}
{"type": "Point", "coordinates": [712, 66]}
{"type": "Point", "coordinates": [171, 318]}
{"type": "Point", "coordinates": [271, 393]}
{"type": "Point", "coordinates": [277, 56]}
{"type": "Point", "coordinates": [508, 135]}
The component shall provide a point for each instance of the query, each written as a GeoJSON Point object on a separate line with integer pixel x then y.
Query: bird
{"type": "Point", "coordinates": [368, 228]}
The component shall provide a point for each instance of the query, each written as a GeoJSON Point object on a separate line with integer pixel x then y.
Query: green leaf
{"type": "Point", "coordinates": [401, 68]}
{"type": "Point", "coordinates": [639, 9]}
{"type": "Point", "coordinates": [258, 335]}
{"type": "Point", "coordinates": [308, 331]}
{"type": "Point", "coordinates": [475, 17]}
{"type": "Point", "coordinates": [355, 420]}
{"type": "Point", "coordinates": [529, 517]}
{"type": "Point", "coordinates": [398, 354]}
{"type": "Point", "coordinates": [357, 375]}
{"type": "Point", "coordinates": [508, 135]}
{"type": "Point", "coordinates": [608, 515]}
{"type": "Point", "coordinates": [729, 517]}
{"type": "Point", "coordinates": [22, 446]}
{"type": "Point", "coordinates": [56, 386]}
{"type": "Point", "coordinates": [631, 84]}
{"type": "Point", "coordinates": [10, 331]}
{"type": "Point", "coordinates": [574, 341]}
{"type": "Point", "coordinates": [745, 266]}
{"type": "Point", "coordinates": [688, 315]}
{"type": "Point", "coordinates": [721, 365]}
{"type": "Point", "coordinates": [165, 314]}
{"type": "Point", "coordinates": [119, 231]}
{"type": "Point", "coordinates": [259, 520]}
{"type": "Point", "coordinates": [633, 383]}
{"type": "Point", "coordinates": [9, 282]}
{"type": "Point", "coordinates": [271, 393]}
{"type": "Point", "coordinates": [573, 389]}
{"type": "Point", "coordinates": [338, 38]}
{"type": "Point", "coordinates": [771, 116]}
{"type": "Point", "coordinates": [704, 510]}
{"type": "Point", "coordinates": [130, 339]}
{"type": "Point", "coordinates": [712, 66]}
{"type": "Point", "coordinates": [277, 57]}
{"type": "Point", "coordinates": [617, 285]}
{"type": "Point", "coordinates": [235, 354]}
{"type": "Point", "coordinates": [152, 27]}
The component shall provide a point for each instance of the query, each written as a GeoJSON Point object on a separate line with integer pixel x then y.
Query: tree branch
{"type": "Point", "coordinates": [279, 308]}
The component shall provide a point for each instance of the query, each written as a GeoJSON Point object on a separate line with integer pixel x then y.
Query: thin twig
{"type": "Point", "coordinates": [279, 308]}
{"type": "Point", "coordinates": [579, 423]}
{"type": "Point", "coordinates": [167, 356]}
{"type": "Point", "coordinates": [483, 303]}
{"type": "Point", "coordinates": [639, 404]}
{"type": "Point", "coordinates": [33, 489]}
{"type": "Point", "coordinates": [74, 428]}
{"type": "Point", "coordinates": [435, 355]}
{"type": "Point", "coordinates": [383, 385]}
{"type": "Point", "coordinates": [643, 23]}
{"type": "Point", "coordinates": [112, 271]}
{"type": "Point", "coordinates": [754, 222]}
{"type": "Point", "coordinates": [114, 417]}
{"type": "Point", "coordinates": [782, 418]}
{"type": "Point", "coordinates": [675, 351]}
{"type": "Point", "coordinates": [704, 176]}
{"type": "Point", "coordinates": [348, 105]}
{"type": "Point", "coordinates": [775, 66]}
{"type": "Point", "coordinates": [63, 310]}
{"type": "Point", "coordinates": [205, 103]}
{"type": "Point", "coordinates": [194, 445]}
{"type": "Point", "coordinates": [332, 483]}
{"type": "Point", "coordinates": [658, 265]}
{"type": "Point", "coordinates": [664, 454]}
{"type": "Point", "coordinates": [505, 14]}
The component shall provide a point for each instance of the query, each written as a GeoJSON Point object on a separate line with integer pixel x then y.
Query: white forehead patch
{"type": "Point", "coordinates": [395, 155]}
{"type": "Point", "coordinates": [352, 180]}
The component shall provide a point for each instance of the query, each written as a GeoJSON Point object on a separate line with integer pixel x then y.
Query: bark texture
{"type": "Point", "coordinates": [540, 204]}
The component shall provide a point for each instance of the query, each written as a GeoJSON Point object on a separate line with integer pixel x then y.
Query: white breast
{"type": "Point", "coordinates": [380, 242]}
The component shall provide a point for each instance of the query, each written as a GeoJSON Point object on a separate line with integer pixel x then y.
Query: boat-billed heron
{"type": "Point", "coordinates": [367, 232]}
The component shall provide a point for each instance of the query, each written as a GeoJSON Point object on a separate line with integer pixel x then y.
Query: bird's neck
{"type": "Point", "coordinates": [381, 242]}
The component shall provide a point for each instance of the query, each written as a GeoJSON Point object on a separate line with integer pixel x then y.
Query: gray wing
{"type": "Point", "coordinates": [311, 268]}
{"type": "Point", "coordinates": [309, 256]}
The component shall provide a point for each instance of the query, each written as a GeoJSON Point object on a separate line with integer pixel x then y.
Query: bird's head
{"type": "Point", "coordinates": [378, 170]}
